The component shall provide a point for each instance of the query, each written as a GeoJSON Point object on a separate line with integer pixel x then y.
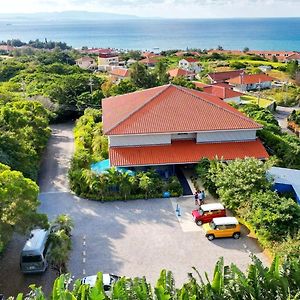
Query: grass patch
{"type": "Point", "coordinates": [262, 101]}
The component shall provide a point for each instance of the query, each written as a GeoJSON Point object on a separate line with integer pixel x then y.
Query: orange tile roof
{"type": "Point", "coordinates": [200, 85]}
{"type": "Point", "coordinates": [293, 56]}
{"type": "Point", "coordinates": [250, 78]}
{"type": "Point", "coordinates": [191, 59]}
{"type": "Point", "coordinates": [179, 72]}
{"type": "Point", "coordinates": [181, 152]}
{"type": "Point", "coordinates": [221, 92]}
{"type": "Point", "coordinates": [222, 76]}
{"type": "Point", "coordinates": [121, 72]}
{"type": "Point", "coordinates": [150, 60]}
{"type": "Point", "coordinates": [170, 108]}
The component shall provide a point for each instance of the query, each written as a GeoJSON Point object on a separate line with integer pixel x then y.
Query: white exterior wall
{"type": "Point", "coordinates": [223, 136]}
{"type": "Point", "coordinates": [138, 140]}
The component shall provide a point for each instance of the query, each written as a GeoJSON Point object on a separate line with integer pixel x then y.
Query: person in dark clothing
{"type": "Point", "coordinates": [196, 198]}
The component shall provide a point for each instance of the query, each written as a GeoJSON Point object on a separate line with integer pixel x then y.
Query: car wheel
{"type": "Point", "coordinates": [210, 237]}
{"type": "Point", "coordinates": [236, 235]}
{"type": "Point", "coordinates": [199, 223]}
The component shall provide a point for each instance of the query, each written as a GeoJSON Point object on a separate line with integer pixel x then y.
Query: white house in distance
{"type": "Point", "coordinates": [86, 62]}
{"type": "Point", "coordinates": [170, 125]}
{"type": "Point", "coordinates": [106, 60]}
{"type": "Point", "coordinates": [251, 82]}
{"type": "Point", "coordinates": [118, 74]}
{"type": "Point", "coordinates": [190, 64]}
{"type": "Point", "coordinates": [293, 57]}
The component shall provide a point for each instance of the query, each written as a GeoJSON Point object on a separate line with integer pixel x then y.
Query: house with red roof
{"type": "Point", "coordinates": [190, 64]}
{"type": "Point", "coordinates": [118, 74]}
{"type": "Point", "coordinates": [177, 72]}
{"type": "Point", "coordinates": [293, 57]}
{"type": "Point", "coordinates": [224, 92]}
{"type": "Point", "coordinates": [218, 77]}
{"type": "Point", "coordinates": [171, 125]}
{"type": "Point", "coordinates": [150, 61]}
{"type": "Point", "coordinates": [251, 82]}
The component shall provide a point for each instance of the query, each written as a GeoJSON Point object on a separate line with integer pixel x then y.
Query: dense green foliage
{"type": "Point", "coordinates": [295, 117]}
{"type": "Point", "coordinates": [279, 281]}
{"type": "Point", "coordinates": [60, 243]}
{"type": "Point", "coordinates": [243, 187]}
{"type": "Point", "coordinates": [18, 204]}
{"type": "Point", "coordinates": [286, 147]}
{"type": "Point", "coordinates": [92, 146]}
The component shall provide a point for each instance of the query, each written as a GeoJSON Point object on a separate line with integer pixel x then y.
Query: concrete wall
{"type": "Point", "coordinates": [223, 136]}
{"type": "Point", "coordinates": [137, 140]}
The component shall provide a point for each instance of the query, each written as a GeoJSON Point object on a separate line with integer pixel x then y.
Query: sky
{"type": "Point", "coordinates": [163, 8]}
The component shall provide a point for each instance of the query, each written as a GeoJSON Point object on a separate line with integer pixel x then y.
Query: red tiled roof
{"type": "Point", "coordinates": [293, 56]}
{"type": "Point", "coordinates": [121, 72]}
{"type": "Point", "coordinates": [223, 76]}
{"type": "Point", "coordinates": [150, 60]}
{"type": "Point", "coordinates": [181, 152]}
{"type": "Point", "coordinates": [191, 59]}
{"type": "Point", "coordinates": [221, 92]}
{"type": "Point", "coordinates": [250, 78]}
{"type": "Point", "coordinates": [170, 108]}
{"type": "Point", "coordinates": [179, 72]}
{"type": "Point", "coordinates": [199, 84]}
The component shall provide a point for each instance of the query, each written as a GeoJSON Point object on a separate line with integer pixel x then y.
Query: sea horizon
{"type": "Point", "coordinates": [161, 33]}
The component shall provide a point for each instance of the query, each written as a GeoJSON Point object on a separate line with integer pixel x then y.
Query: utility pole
{"type": "Point", "coordinates": [91, 84]}
{"type": "Point", "coordinates": [259, 88]}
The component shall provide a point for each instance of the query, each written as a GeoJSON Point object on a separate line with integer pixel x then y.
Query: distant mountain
{"type": "Point", "coordinates": [64, 16]}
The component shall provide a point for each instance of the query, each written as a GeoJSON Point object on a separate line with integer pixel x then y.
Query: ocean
{"type": "Point", "coordinates": [149, 34]}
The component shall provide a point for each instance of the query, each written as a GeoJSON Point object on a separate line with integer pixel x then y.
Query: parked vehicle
{"type": "Point", "coordinates": [33, 255]}
{"type": "Point", "coordinates": [207, 212]}
{"type": "Point", "coordinates": [108, 280]}
{"type": "Point", "coordinates": [222, 227]}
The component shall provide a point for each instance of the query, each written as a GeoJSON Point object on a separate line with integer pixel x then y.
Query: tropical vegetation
{"type": "Point", "coordinates": [92, 146]}
{"type": "Point", "coordinates": [280, 281]}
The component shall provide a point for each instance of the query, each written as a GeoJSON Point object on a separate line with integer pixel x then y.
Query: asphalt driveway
{"type": "Point", "coordinates": [133, 238]}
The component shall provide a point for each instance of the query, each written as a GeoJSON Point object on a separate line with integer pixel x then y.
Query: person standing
{"type": "Point", "coordinates": [201, 198]}
{"type": "Point", "coordinates": [196, 198]}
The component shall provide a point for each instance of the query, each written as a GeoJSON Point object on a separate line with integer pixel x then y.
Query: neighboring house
{"type": "Point", "coordinates": [223, 76]}
{"type": "Point", "coordinates": [181, 73]}
{"type": "Point", "coordinates": [265, 68]}
{"type": "Point", "coordinates": [171, 125]}
{"type": "Point", "coordinates": [106, 60]}
{"type": "Point", "coordinates": [224, 92]}
{"type": "Point", "coordinates": [186, 53]}
{"type": "Point", "coordinates": [87, 63]}
{"type": "Point", "coordinates": [200, 85]}
{"type": "Point", "coordinates": [286, 180]}
{"type": "Point", "coordinates": [190, 64]}
{"type": "Point", "coordinates": [251, 82]}
{"type": "Point", "coordinates": [6, 49]}
{"type": "Point", "coordinates": [130, 62]}
{"type": "Point", "coordinates": [293, 57]}
{"type": "Point", "coordinates": [280, 55]}
{"type": "Point", "coordinates": [118, 74]}
{"type": "Point", "coordinates": [150, 61]}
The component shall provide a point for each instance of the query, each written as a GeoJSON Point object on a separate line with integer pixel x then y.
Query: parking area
{"type": "Point", "coordinates": [133, 238]}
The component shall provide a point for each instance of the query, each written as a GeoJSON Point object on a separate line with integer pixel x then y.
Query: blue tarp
{"type": "Point", "coordinates": [102, 166]}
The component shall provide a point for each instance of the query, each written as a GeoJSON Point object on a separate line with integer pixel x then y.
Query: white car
{"type": "Point", "coordinates": [108, 280]}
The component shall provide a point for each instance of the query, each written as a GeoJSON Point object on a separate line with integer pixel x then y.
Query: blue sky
{"type": "Point", "coordinates": [163, 8]}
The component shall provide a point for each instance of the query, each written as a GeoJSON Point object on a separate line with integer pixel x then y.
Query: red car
{"type": "Point", "coordinates": [207, 212]}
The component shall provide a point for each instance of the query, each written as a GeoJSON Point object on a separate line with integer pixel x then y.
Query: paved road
{"type": "Point", "coordinates": [133, 238]}
{"type": "Point", "coordinates": [281, 116]}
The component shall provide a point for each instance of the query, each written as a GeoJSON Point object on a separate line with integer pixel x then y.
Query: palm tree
{"type": "Point", "coordinates": [63, 222]}
{"type": "Point", "coordinates": [125, 184]}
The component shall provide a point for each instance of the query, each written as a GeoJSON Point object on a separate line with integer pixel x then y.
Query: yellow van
{"type": "Point", "coordinates": [222, 227]}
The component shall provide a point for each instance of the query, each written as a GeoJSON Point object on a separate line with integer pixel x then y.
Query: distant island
{"type": "Point", "coordinates": [65, 16]}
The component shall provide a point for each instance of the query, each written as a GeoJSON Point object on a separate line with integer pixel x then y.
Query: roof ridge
{"type": "Point", "coordinates": [227, 110]}
{"type": "Point", "coordinates": [166, 86]}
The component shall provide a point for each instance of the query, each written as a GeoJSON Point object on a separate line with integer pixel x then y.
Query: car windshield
{"type": "Point", "coordinates": [32, 258]}
{"type": "Point", "coordinates": [201, 212]}
{"type": "Point", "coordinates": [212, 225]}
